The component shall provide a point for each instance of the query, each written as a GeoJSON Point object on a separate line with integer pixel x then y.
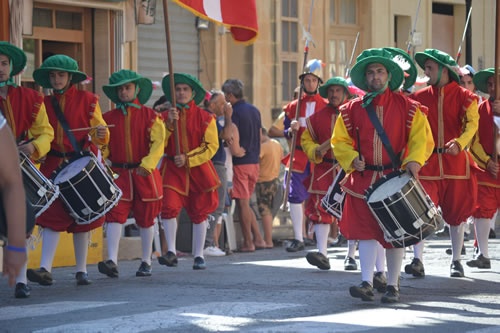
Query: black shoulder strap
{"type": "Point", "coordinates": [64, 124]}
{"type": "Point", "coordinates": [383, 137]}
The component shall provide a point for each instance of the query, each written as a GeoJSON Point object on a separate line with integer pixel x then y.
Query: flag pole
{"type": "Point", "coordinates": [412, 32]}
{"type": "Point", "coordinates": [348, 69]}
{"type": "Point", "coordinates": [497, 78]}
{"type": "Point", "coordinates": [171, 72]}
{"type": "Point", "coordinates": [459, 53]}
{"type": "Point", "coordinates": [297, 114]}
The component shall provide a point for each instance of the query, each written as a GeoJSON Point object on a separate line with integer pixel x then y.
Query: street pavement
{"type": "Point", "coordinates": [265, 291]}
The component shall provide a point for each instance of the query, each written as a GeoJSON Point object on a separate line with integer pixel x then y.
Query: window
{"type": "Point", "coordinates": [339, 53]}
{"type": "Point", "coordinates": [343, 11]}
{"type": "Point", "coordinates": [289, 79]}
{"type": "Point", "coordinates": [289, 47]}
{"type": "Point", "coordinates": [45, 18]}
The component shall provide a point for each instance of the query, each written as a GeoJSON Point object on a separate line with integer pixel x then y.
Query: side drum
{"type": "Point", "coordinates": [86, 188]}
{"type": "Point", "coordinates": [405, 213]}
{"type": "Point", "coordinates": [333, 201]}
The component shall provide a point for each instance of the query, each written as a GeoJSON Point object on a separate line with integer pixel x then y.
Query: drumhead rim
{"type": "Point", "coordinates": [369, 191]}
{"type": "Point", "coordinates": [68, 162]}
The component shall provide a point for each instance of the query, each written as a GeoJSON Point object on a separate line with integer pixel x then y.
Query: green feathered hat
{"type": "Point", "coordinates": [198, 91]}
{"type": "Point", "coordinates": [58, 62]}
{"type": "Point", "coordinates": [125, 76]}
{"type": "Point", "coordinates": [379, 56]}
{"type": "Point", "coordinates": [442, 58]}
{"type": "Point", "coordinates": [407, 64]}
{"type": "Point", "coordinates": [334, 81]}
{"type": "Point", "coordinates": [16, 56]}
{"type": "Point", "coordinates": [480, 79]}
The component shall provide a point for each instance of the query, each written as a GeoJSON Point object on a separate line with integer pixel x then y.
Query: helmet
{"type": "Point", "coordinates": [314, 67]}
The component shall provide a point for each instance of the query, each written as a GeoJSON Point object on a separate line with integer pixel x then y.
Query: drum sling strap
{"type": "Point", "coordinates": [64, 124]}
{"type": "Point", "coordinates": [383, 137]}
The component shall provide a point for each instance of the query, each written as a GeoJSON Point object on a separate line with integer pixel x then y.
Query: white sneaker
{"type": "Point", "coordinates": [213, 251]}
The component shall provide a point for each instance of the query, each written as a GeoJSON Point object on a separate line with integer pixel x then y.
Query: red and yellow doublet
{"type": "Point", "coordinates": [193, 186]}
{"type": "Point", "coordinates": [409, 133]}
{"type": "Point", "coordinates": [81, 109]}
{"type": "Point", "coordinates": [488, 200]}
{"type": "Point", "coordinates": [319, 130]}
{"type": "Point", "coordinates": [137, 139]}
{"type": "Point", "coordinates": [309, 105]}
{"type": "Point", "coordinates": [450, 180]}
{"type": "Point", "coordinates": [26, 115]}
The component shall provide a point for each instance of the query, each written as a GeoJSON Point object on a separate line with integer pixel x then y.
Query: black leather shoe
{"type": "Point", "coordinates": [379, 282]}
{"type": "Point", "coordinates": [456, 269]}
{"type": "Point", "coordinates": [480, 262]}
{"type": "Point", "coordinates": [363, 291]}
{"type": "Point", "coordinates": [492, 234]}
{"type": "Point", "coordinates": [309, 242]}
{"type": "Point", "coordinates": [108, 268]}
{"type": "Point", "coordinates": [40, 276]}
{"type": "Point", "coordinates": [82, 279]}
{"type": "Point", "coordinates": [22, 290]}
{"type": "Point", "coordinates": [199, 263]}
{"type": "Point", "coordinates": [169, 259]}
{"type": "Point", "coordinates": [391, 295]}
{"type": "Point", "coordinates": [449, 251]}
{"type": "Point", "coordinates": [416, 268]}
{"type": "Point", "coordinates": [144, 269]}
{"type": "Point", "coordinates": [319, 260]}
{"type": "Point", "coordinates": [295, 246]}
{"type": "Point", "coordinates": [338, 242]}
{"type": "Point", "coordinates": [350, 264]}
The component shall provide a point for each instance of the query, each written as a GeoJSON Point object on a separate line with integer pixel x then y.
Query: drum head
{"type": "Point", "coordinates": [387, 186]}
{"type": "Point", "coordinates": [71, 170]}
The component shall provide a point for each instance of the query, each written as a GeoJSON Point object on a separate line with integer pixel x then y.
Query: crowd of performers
{"type": "Point", "coordinates": [440, 135]}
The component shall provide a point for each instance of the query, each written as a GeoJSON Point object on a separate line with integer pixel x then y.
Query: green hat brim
{"type": "Point", "coordinates": [198, 91]}
{"type": "Point", "coordinates": [16, 56]}
{"type": "Point", "coordinates": [145, 89]}
{"type": "Point", "coordinates": [359, 69]}
{"type": "Point", "coordinates": [480, 79]}
{"type": "Point", "coordinates": [421, 58]}
{"type": "Point", "coordinates": [334, 81]}
{"type": "Point", "coordinates": [412, 71]}
{"type": "Point", "coordinates": [41, 76]}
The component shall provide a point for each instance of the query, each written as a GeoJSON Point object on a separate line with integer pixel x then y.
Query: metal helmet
{"type": "Point", "coordinates": [314, 67]}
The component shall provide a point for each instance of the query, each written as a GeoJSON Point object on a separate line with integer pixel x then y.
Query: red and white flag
{"type": "Point", "coordinates": [240, 16]}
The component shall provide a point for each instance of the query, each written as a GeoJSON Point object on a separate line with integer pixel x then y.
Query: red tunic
{"type": "Point", "coordinates": [21, 109]}
{"type": "Point", "coordinates": [78, 107]}
{"type": "Point", "coordinates": [309, 105]}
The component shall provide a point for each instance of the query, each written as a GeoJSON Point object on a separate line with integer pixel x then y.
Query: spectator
{"type": "Point", "coordinates": [246, 169]}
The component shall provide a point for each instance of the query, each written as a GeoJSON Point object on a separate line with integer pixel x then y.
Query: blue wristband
{"type": "Point", "coordinates": [16, 249]}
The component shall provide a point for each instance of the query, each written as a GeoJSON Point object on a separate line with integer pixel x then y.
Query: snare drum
{"type": "Point", "coordinates": [333, 201]}
{"type": "Point", "coordinates": [86, 188]}
{"type": "Point", "coordinates": [40, 191]}
{"type": "Point", "coordinates": [403, 210]}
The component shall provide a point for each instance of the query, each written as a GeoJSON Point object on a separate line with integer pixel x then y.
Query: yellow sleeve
{"type": "Point", "coordinates": [207, 149]}
{"type": "Point", "coordinates": [471, 125]}
{"type": "Point", "coordinates": [156, 147]}
{"type": "Point", "coordinates": [278, 123]}
{"type": "Point", "coordinates": [420, 140]}
{"type": "Point", "coordinates": [168, 132]}
{"type": "Point", "coordinates": [343, 146]}
{"type": "Point", "coordinates": [96, 121]}
{"type": "Point", "coordinates": [309, 147]}
{"type": "Point", "coordinates": [478, 153]}
{"type": "Point", "coordinates": [42, 133]}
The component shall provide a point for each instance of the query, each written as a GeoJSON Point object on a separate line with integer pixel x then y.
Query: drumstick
{"type": "Point", "coordinates": [359, 146]}
{"type": "Point", "coordinates": [26, 142]}
{"type": "Point", "coordinates": [88, 128]}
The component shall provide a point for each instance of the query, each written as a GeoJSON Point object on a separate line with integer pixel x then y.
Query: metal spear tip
{"type": "Point", "coordinates": [307, 35]}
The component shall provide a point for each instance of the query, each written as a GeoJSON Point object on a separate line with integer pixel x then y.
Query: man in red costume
{"type": "Point", "coordinates": [310, 103]}
{"type": "Point", "coordinates": [406, 128]}
{"type": "Point", "coordinates": [488, 200]}
{"type": "Point", "coordinates": [315, 142]}
{"type": "Point", "coordinates": [448, 176]}
{"type": "Point", "coordinates": [81, 110]}
{"type": "Point", "coordinates": [26, 116]}
{"type": "Point", "coordinates": [135, 148]}
{"type": "Point", "coordinates": [189, 177]}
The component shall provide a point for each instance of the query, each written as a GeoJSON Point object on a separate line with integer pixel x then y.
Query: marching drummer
{"type": "Point", "coordinates": [315, 141]}
{"type": "Point", "coordinates": [25, 112]}
{"type": "Point", "coordinates": [365, 159]}
{"type": "Point", "coordinates": [68, 108]}
{"type": "Point", "coordinates": [136, 147]}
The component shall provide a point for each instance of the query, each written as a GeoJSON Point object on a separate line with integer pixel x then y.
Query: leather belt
{"type": "Point", "coordinates": [378, 167]}
{"type": "Point", "coordinates": [329, 160]}
{"type": "Point", "coordinates": [61, 155]}
{"type": "Point", "coordinates": [439, 150]}
{"type": "Point", "coordinates": [125, 165]}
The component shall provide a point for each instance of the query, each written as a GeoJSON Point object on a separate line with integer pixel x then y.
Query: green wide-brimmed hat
{"type": "Point", "coordinates": [16, 56]}
{"type": "Point", "coordinates": [442, 58]}
{"type": "Point", "coordinates": [480, 79]}
{"type": "Point", "coordinates": [379, 56]}
{"type": "Point", "coordinates": [126, 76]}
{"type": "Point", "coordinates": [198, 91]}
{"type": "Point", "coordinates": [58, 62]}
{"type": "Point", "coordinates": [407, 64]}
{"type": "Point", "coordinates": [334, 81]}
